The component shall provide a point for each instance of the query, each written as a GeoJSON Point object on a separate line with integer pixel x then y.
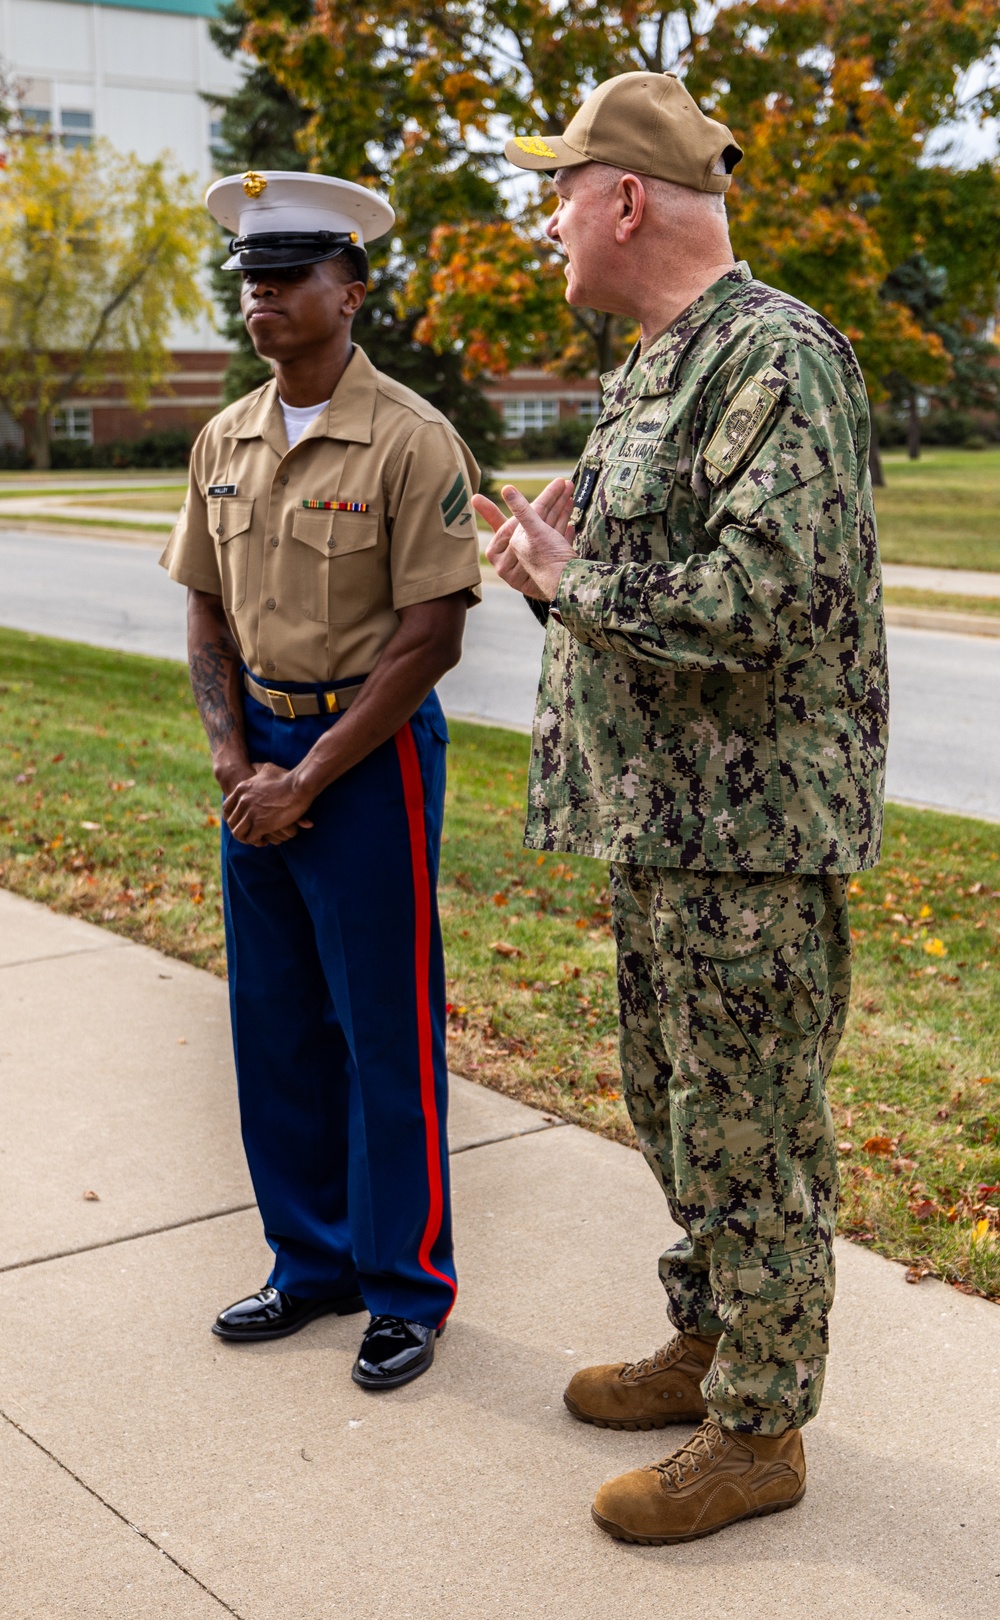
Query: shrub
{"type": "Point", "coordinates": [560, 440]}
{"type": "Point", "coordinates": [169, 448]}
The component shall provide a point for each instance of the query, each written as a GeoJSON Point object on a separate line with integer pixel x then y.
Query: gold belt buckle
{"type": "Point", "coordinates": [281, 697]}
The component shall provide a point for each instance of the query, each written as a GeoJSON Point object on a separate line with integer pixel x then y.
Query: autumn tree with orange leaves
{"type": "Point", "coordinates": [833, 100]}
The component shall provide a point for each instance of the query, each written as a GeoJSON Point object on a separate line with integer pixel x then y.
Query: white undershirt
{"type": "Point", "coordinates": [298, 418]}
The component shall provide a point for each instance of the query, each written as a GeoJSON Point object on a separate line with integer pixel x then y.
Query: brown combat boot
{"type": "Point", "coordinates": [714, 1479]}
{"type": "Point", "coordinates": [664, 1388]}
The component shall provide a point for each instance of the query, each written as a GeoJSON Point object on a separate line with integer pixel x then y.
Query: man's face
{"type": "Point", "coordinates": [290, 312]}
{"type": "Point", "coordinates": [584, 226]}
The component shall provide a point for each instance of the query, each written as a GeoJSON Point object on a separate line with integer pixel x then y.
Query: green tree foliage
{"type": "Point", "coordinates": [834, 102]}
{"type": "Point", "coordinates": [98, 254]}
{"type": "Point", "coordinates": [266, 125]}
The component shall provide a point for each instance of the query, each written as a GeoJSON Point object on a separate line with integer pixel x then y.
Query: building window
{"type": "Point", "coordinates": [77, 128]}
{"type": "Point", "coordinates": [519, 414]}
{"type": "Point", "coordinates": [215, 131]}
{"type": "Point", "coordinates": [38, 118]}
{"type": "Point", "coordinates": [588, 410]}
{"type": "Point", "coordinates": [74, 422]}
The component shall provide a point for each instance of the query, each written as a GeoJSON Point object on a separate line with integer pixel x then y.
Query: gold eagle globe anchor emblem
{"type": "Point", "coordinates": [254, 183]}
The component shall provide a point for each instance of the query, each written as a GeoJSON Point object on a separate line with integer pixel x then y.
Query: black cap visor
{"type": "Point", "coordinates": [285, 250]}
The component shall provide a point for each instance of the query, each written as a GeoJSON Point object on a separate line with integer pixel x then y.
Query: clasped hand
{"type": "Point", "coordinates": [267, 807]}
{"type": "Point", "coordinates": [530, 549]}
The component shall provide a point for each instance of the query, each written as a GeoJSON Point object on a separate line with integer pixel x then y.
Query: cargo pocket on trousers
{"type": "Point", "coordinates": [776, 1309]}
{"type": "Point", "coordinates": [757, 951]}
{"type": "Point", "coordinates": [337, 571]}
{"type": "Point", "coordinates": [229, 519]}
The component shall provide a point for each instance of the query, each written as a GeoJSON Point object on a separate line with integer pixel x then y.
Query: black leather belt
{"type": "Point", "coordinates": [293, 705]}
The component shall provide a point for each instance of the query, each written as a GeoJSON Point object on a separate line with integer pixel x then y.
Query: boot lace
{"type": "Point", "coordinates": [659, 1361]}
{"type": "Point", "coordinates": [701, 1448]}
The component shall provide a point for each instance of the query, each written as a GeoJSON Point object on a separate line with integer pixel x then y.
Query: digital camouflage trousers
{"type": "Point", "coordinates": [734, 991]}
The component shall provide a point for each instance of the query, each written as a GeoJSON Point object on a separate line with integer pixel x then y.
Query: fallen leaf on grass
{"type": "Point", "coordinates": [57, 759]}
{"type": "Point", "coordinates": [92, 1197]}
{"type": "Point", "coordinates": [935, 947]}
{"type": "Point", "coordinates": [502, 948]}
{"type": "Point", "coordinates": [985, 1080]}
{"type": "Point", "coordinates": [881, 1145]}
{"type": "Point", "coordinates": [924, 1209]}
{"type": "Point", "coordinates": [91, 826]}
{"type": "Point", "coordinates": [845, 1147]}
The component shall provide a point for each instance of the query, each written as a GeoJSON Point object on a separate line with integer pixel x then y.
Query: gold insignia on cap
{"type": "Point", "coordinates": [354, 236]}
{"type": "Point", "coordinates": [534, 146]}
{"type": "Point", "coordinates": [254, 183]}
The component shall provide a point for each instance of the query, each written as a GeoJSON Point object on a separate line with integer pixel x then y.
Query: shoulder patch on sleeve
{"type": "Point", "coordinates": [739, 429]}
{"type": "Point", "coordinates": [456, 508]}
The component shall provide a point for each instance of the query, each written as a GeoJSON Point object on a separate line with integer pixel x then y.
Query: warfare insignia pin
{"type": "Point", "coordinates": [754, 405]}
{"type": "Point", "coordinates": [254, 183]}
{"type": "Point", "coordinates": [534, 146]}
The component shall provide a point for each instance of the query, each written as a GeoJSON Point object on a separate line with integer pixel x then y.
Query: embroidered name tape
{"type": "Point", "coordinates": [335, 506]}
{"type": "Point", "coordinates": [222, 489]}
{"type": "Point", "coordinates": [753, 406]}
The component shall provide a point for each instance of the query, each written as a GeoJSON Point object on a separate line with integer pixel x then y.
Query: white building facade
{"type": "Point", "coordinates": [134, 72]}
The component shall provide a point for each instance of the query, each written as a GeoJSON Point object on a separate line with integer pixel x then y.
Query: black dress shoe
{"type": "Point", "coordinates": [273, 1315]}
{"type": "Point", "coordinates": [393, 1351]}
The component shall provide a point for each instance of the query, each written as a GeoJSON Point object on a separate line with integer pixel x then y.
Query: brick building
{"type": "Point", "coordinates": [136, 73]}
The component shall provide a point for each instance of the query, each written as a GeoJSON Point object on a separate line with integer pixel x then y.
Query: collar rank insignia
{"type": "Point", "coordinates": [335, 506]}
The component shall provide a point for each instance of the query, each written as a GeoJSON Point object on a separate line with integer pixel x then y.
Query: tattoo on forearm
{"type": "Point", "coordinates": [211, 666]}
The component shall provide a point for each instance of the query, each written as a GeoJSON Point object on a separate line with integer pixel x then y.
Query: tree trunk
{"type": "Point", "coordinates": [38, 439]}
{"type": "Point", "coordinates": [604, 339]}
{"type": "Point", "coordinates": [875, 458]}
{"type": "Point", "coordinates": [913, 430]}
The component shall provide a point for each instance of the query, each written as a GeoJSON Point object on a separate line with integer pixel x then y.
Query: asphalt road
{"type": "Point", "coordinates": [945, 746]}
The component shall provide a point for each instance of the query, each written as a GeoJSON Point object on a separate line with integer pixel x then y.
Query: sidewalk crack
{"type": "Point", "coordinates": [128, 1237]}
{"type": "Point", "coordinates": [59, 956]}
{"type": "Point", "coordinates": [142, 1534]}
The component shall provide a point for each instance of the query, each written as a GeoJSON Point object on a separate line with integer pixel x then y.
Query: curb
{"type": "Point", "coordinates": [961, 624]}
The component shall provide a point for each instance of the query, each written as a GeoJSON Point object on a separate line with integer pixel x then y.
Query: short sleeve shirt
{"type": "Point", "coordinates": [314, 550]}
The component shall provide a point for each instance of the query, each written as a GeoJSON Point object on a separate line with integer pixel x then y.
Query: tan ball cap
{"type": "Point", "coordinates": [645, 122]}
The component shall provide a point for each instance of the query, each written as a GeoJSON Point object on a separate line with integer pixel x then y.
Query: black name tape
{"type": "Point", "coordinates": [222, 489]}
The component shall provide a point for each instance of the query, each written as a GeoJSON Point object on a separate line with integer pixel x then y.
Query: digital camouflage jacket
{"type": "Point", "coordinates": [713, 691]}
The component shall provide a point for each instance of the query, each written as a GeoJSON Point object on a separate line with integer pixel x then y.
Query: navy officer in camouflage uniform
{"type": "Point", "coordinates": [712, 720]}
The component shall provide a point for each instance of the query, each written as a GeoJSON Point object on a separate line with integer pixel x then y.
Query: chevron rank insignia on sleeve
{"type": "Point", "coordinates": [455, 508]}
{"type": "Point", "coordinates": [739, 429]}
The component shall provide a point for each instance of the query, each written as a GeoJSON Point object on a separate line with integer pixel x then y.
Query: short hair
{"type": "Point", "coordinates": [667, 190]}
{"type": "Point", "coordinates": [354, 261]}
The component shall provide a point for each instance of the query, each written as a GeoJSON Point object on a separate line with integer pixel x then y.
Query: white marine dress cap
{"type": "Point", "coordinates": [283, 218]}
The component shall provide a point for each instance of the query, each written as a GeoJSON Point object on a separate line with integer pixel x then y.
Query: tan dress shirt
{"type": "Point", "coordinates": [314, 550]}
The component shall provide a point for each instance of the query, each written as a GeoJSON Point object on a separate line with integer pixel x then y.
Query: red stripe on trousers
{"type": "Point", "coordinates": [413, 796]}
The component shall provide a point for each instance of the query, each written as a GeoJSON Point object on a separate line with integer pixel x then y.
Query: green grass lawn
{"type": "Point", "coordinates": [942, 511]}
{"type": "Point", "coordinates": [108, 810]}
{"type": "Point", "coordinates": [941, 601]}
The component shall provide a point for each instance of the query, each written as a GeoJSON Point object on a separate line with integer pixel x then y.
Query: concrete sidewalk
{"type": "Point", "coordinates": [152, 1472]}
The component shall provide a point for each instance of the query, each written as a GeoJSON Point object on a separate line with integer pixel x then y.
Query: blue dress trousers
{"type": "Point", "coordinates": [336, 986]}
